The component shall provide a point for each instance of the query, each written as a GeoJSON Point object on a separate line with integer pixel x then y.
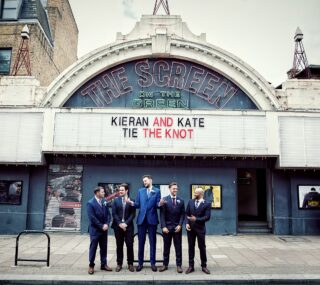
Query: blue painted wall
{"type": "Point", "coordinates": [36, 202]}
{"type": "Point", "coordinates": [282, 203]}
{"type": "Point", "coordinates": [222, 222]}
{"type": "Point", "coordinates": [304, 221]}
{"type": "Point", "coordinates": [14, 217]}
{"type": "Point", "coordinates": [288, 218]}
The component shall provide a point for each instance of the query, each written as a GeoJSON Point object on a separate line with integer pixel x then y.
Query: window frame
{"type": "Point", "coordinates": [6, 49]}
{"type": "Point", "coordinates": [2, 10]}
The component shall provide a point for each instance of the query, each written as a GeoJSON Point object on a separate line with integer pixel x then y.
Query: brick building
{"type": "Point", "coordinates": [53, 36]}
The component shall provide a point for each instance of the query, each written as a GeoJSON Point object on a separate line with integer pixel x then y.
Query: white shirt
{"type": "Point", "coordinates": [198, 202]}
{"type": "Point", "coordinates": [98, 200]}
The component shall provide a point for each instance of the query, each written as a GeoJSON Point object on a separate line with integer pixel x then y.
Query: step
{"type": "Point", "coordinates": [253, 227]}
{"type": "Point", "coordinates": [254, 230]}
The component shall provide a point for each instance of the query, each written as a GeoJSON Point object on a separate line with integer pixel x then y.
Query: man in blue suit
{"type": "Point", "coordinates": [123, 215]}
{"type": "Point", "coordinates": [147, 201]}
{"type": "Point", "coordinates": [99, 219]}
{"type": "Point", "coordinates": [172, 215]}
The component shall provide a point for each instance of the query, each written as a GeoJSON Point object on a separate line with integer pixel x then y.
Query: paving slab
{"type": "Point", "coordinates": [242, 259]}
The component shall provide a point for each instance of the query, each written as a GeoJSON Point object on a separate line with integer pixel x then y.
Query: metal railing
{"type": "Point", "coordinates": [16, 259]}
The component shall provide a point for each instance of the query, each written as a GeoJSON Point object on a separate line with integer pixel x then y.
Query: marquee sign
{"type": "Point", "coordinates": [160, 84]}
{"type": "Point", "coordinates": [150, 132]}
{"type": "Point", "coordinates": [158, 127]}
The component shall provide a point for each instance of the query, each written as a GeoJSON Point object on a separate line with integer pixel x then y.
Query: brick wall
{"type": "Point", "coordinates": [65, 32]}
{"type": "Point", "coordinates": [47, 61]}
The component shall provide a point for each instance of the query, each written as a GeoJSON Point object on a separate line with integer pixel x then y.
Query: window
{"type": "Point", "coordinates": [44, 3]}
{"type": "Point", "coordinates": [5, 61]}
{"type": "Point", "coordinates": [9, 9]}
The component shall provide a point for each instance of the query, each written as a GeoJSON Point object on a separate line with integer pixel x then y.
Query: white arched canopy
{"type": "Point", "coordinates": [161, 45]}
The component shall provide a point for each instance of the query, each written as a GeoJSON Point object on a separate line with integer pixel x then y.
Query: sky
{"type": "Point", "coordinates": [260, 32]}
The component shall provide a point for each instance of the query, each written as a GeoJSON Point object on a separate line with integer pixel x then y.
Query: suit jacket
{"type": "Point", "coordinates": [117, 212]}
{"type": "Point", "coordinates": [98, 216]}
{"type": "Point", "coordinates": [148, 205]}
{"type": "Point", "coordinates": [172, 216]}
{"type": "Point", "coordinates": [202, 213]}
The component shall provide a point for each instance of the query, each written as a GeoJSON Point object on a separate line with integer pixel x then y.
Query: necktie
{"type": "Point", "coordinates": [148, 192]}
{"type": "Point", "coordinates": [197, 204]}
{"type": "Point", "coordinates": [123, 208]}
{"type": "Point", "coordinates": [100, 203]}
{"type": "Point", "coordinates": [174, 202]}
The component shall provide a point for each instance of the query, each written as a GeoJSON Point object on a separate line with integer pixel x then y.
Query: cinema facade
{"type": "Point", "coordinates": [161, 101]}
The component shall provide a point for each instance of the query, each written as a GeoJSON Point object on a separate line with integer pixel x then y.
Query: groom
{"type": "Point", "coordinates": [147, 201]}
{"type": "Point", "coordinates": [99, 219]}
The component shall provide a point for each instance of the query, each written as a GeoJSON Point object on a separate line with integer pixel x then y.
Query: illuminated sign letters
{"type": "Point", "coordinates": [161, 84]}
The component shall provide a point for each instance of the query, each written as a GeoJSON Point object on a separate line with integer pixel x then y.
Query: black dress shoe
{"type": "Point", "coordinates": [189, 270]}
{"type": "Point", "coordinates": [139, 268]}
{"type": "Point", "coordinates": [163, 268]}
{"type": "Point", "coordinates": [154, 268]}
{"type": "Point", "coordinates": [206, 270]}
{"type": "Point", "coordinates": [118, 268]}
{"type": "Point", "coordinates": [130, 267]}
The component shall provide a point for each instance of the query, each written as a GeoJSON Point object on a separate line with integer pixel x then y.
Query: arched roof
{"type": "Point", "coordinates": [156, 36]}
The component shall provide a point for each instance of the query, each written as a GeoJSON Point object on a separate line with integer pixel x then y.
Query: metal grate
{"type": "Point", "coordinates": [294, 239]}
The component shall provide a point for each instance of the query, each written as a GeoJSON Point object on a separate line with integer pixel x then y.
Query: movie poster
{"type": "Point", "coordinates": [212, 194]}
{"type": "Point", "coordinates": [111, 188]}
{"type": "Point", "coordinates": [309, 196]}
{"type": "Point", "coordinates": [63, 197]}
{"type": "Point", "coordinates": [10, 192]}
{"type": "Point", "coordinates": [164, 189]}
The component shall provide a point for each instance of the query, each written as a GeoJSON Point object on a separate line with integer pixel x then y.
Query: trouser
{"type": "Point", "coordinates": [177, 241]}
{"type": "Point", "coordinates": [121, 238]}
{"type": "Point", "coordinates": [200, 236]}
{"type": "Point", "coordinates": [142, 231]}
{"type": "Point", "coordinates": [102, 240]}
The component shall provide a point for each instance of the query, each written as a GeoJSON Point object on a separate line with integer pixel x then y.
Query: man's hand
{"type": "Point", "coordinates": [165, 230]}
{"type": "Point", "coordinates": [128, 201]}
{"type": "Point", "coordinates": [192, 218]}
{"type": "Point", "coordinates": [188, 227]}
{"type": "Point", "coordinates": [177, 229]}
{"type": "Point", "coordinates": [162, 202]}
{"type": "Point", "coordinates": [123, 226]}
{"type": "Point", "coordinates": [105, 227]}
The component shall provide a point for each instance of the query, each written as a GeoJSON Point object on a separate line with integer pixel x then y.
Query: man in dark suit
{"type": "Point", "coordinates": [198, 212]}
{"type": "Point", "coordinates": [147, 201]}
{"type": "Point", "coordinates": [123, 215]}
{"type": "Point", "coordinates": [99, 219]}
{"type": "Point", "coordinates": [172, 215]}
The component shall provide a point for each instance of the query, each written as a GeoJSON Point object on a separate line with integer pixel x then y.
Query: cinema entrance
{"type": "Point", "coordinates": [252, 201]}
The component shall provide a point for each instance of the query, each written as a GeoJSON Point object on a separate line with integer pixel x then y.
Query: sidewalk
{"type": "Point", "coordinates": [242, 259]}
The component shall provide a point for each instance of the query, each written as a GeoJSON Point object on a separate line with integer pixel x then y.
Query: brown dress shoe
{"type": "Point", "coordinates": [189, 270]}
{"type": "Point", "coordinates": [131, 268]}
{"type": "Point", "coordinates": [91, 270]}
{"type": "Point", "coordinates": [163, 268]}
{"type": "Point", "coordinates": [118, 268]}
{"type": "Point", "coordinates": [179, 269]}
{"type": "Point", "coordinates": [106, 268]}
{"type": "Point", "coordinates": [206, 270]}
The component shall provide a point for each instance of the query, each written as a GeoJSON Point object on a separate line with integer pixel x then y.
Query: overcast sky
{"type": "Point", "coordinates": [260, 32]}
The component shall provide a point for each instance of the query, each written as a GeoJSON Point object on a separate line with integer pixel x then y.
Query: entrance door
{"type": "Point", "coordinates": [252, 201]}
